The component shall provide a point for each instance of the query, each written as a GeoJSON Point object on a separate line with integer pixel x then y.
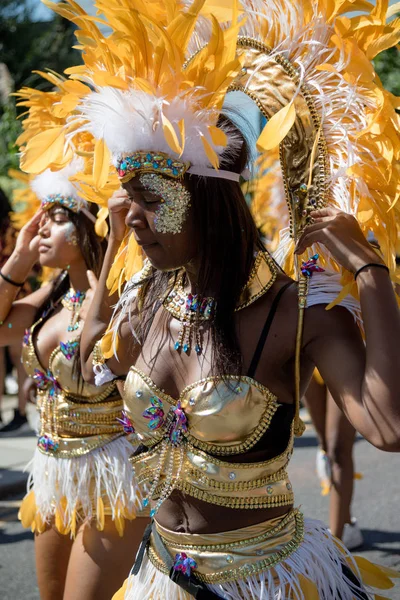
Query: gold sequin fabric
{"type": "Point", "coordinates": [222, 421]}
{"type": "Point", "coordinates": [233, 555]}
{"type": "Point", "coordinates": [77, 417]}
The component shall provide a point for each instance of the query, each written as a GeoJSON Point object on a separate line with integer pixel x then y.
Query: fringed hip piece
{"type": "Point", "coordinates": [67, 492]}
{"type": "Point", "coordinates": [284, 558]}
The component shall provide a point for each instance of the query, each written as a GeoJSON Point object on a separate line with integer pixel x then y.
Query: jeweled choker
{"type": "Point", "coordinates": [190, 310]}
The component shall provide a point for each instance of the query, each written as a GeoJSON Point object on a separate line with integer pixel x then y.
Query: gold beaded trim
{"type": "Point", "coordinates": [83, 449]}
{"type": "Point", "coordinates": [240, 486]}
{"type": "Point", "coordinates": [247, 570]}
{"type": "Point", "coordinates": [253, 273]}
{"type": "Point", "coordinates": [245, 503]}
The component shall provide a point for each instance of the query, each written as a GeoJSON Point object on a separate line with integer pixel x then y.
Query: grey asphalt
{"type": "Point", "coordinates": [376, 506]}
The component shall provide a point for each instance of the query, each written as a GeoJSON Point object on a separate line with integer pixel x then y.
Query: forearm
{"type": "Point", "coordinates": [381, 383]}
{"type": "Point", "coordinates": [16, 268]}
{"type": "Point", "coordinates": [101, 308]}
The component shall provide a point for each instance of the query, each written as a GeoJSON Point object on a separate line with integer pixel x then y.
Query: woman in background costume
{"type": "Point", "coordinates": [82, 495]}
{"type": "Point", "coordinates": [216, 342]}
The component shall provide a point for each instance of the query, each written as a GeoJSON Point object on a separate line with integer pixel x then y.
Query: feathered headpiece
{"type": "Point", "coordinates": [151, 92]}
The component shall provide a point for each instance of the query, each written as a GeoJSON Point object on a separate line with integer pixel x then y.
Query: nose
{"type": "Point", "coordinates": [136, 219]}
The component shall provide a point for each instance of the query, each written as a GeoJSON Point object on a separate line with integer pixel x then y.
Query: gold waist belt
{"type": "Point", "coordinates": [233, 555]}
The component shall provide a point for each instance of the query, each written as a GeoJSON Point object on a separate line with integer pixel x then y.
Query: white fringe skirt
{"type": "Point", "coordinates": [283, 559]}
{"type": "Point", "coordinates": [67, 492]}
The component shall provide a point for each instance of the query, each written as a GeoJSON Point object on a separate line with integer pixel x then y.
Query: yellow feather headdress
{"type": "Point", "coordinates": [157, 83]}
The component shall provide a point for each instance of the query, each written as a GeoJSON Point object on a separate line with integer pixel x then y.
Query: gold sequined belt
{"type": "Point", "coordinates": [233, 555]}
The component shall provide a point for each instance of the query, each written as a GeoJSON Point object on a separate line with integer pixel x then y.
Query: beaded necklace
{"type": "Point", "coordinates": [73, 301]}
{"type": "Point", "coordinates": [190, 310]}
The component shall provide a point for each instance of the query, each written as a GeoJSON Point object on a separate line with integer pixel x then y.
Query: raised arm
{"type": "Point", "coordinates": [16, 316]}
{"type": "Point", "coordinates": [101, 307]}
{"type": "Point", "coordinates": [363, 379]}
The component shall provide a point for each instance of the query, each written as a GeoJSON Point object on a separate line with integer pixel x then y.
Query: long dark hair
{"type": "Point", "coordinates": [226, 239]}
{"type": "Point", "coordinates": [93, 250]}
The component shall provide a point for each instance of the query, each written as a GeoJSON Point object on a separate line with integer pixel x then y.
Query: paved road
{"type": "Point", "coordinates": [376, 507]}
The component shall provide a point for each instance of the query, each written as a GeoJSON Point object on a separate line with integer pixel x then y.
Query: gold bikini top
{"type": "Point", "coordinates": [75, 417]}
{"type": "Point", "coordinates": [210, 420]}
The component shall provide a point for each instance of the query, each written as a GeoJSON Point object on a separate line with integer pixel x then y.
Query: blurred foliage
{"type": "Point", "coordinates": [387, 66]}
{"type": "Point", "coordinates": [27, 45]}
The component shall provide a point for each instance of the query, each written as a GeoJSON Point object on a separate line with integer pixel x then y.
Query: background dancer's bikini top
{"type": "Point", "coordinates": [193, 437]}
{"type": "Point", "coordinates": [75, 417]}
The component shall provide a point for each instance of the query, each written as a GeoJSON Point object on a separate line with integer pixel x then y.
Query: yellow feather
{"type": "Point", "coordinates": [308, 588]}
{"type": "Point", "coordinates": [120, 594]}
{"type": "Point", "coordinates": [27, 510]}
{"type": "Point", "coordinates": [277, 128]}
{"type": "Point", "coordinates": [45, 148]}
{"type": "Point", "coordinates": [134, 261]}
{"type": "Point", "coordinates": [119, 524]}
{"type": "Point", "coordinates": [218, 136]}
{"type": "Point", "coordinates": [101, 163]}
{"type": "Point", "coordinates": [101, 227]}
{"type": "Point", "coordinates": [100, 514]}
{"type": "Point", "coordinates": [373, 575]}
{"type": "Point", "coordinates": [210, 152]}
{"type": "Point", "coordinates": [181, 127]}
{"type": "Point", "coordinates": [73, 523]}
{"type": "Point", "coordinates": [170, 135]}
{"type": "Point", "coordinates": [76, 87]}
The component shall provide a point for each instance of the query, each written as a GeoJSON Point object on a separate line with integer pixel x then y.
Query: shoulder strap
{"type": "Point", "coordinates": [299, 426]}
{"type": "Point", "coordinates": [265, 331]}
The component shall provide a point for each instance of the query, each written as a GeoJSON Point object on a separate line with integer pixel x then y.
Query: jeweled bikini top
{"type": "Point", "coordinates": [187, 441]}
{"type": "Point", "coordinates": [75, 417]}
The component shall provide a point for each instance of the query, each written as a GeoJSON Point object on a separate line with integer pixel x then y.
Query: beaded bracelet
{"type": "Point", "coordinates": [11, 281]}
{"type": "Point", "coordinates": [380, 265]}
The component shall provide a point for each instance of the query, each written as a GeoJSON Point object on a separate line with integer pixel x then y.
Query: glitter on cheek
{"type": "Point", "coordinates": [175, 202]}
{"type": "Point", "coordinates": [70, 233]}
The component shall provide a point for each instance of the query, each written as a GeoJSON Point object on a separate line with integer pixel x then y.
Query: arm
{"type": "Point", "coordinates": [364, 379]}
{"type": "Point", "coordinates": [100, 311]}
{"type": "Point", "coordinates": [16, 316]}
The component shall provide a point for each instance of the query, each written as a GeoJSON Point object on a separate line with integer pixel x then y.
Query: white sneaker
{"type": "Point", "coordinates": [323, 468]}
{"type": "Point", "coordinates": [11, 385]}
{"type": "Point", "coordinates": [352, 537]}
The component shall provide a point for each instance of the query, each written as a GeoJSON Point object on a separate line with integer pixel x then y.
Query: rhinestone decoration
{"type": "Point", "coordinates": [184, 563]}
{"type": "Point", "coordinates": [47, 444]}
{"type": "Point", "coordinates": [154, 413]}
{"type": "Point", "coordinates": [150, 162]}
{"type": "Point", "coordinates": [139, 394]}
{"type": "Point", "coordinates": [289, 486]}
{"type": "Point", "coordinates": [270, 489]}
{"type": "Point", "coordinates": [192, 401]}
{"type": "Point", "coordinates": [67, 201]}
{"type": "Point", "coordinates": [259, 552]}
{"type": "Point", "coordinates": [229, 559]}
{"type": "Point", "coordinates": [175, 201]}
{"type": "Point", "coordinates": [69, 349]}
{"type": "Point", "coordinates": [310, 266]}
{"type": "Point", "coordinates": [232, 475]}
{"type": "Point", "coordinates": [126, 423]}
{"type": "Point", "coordinates": [26, 337]}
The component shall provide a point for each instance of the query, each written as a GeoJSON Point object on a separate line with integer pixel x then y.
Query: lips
{"type": "Point", "coordinates": [145, 245]}
{"type": "Point", "coordinates": [43, 248]}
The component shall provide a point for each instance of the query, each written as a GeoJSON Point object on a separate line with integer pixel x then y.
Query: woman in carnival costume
{"type": "Point", "coordinates": [82, 497]}
{"type": "Point", "coordinates": [336, 436]}
{"type": "Point", "coordinates": [216, 342]}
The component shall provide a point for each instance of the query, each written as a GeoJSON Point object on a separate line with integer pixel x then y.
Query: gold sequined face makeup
{"type": "Point", "coordinates": [174, 202]}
